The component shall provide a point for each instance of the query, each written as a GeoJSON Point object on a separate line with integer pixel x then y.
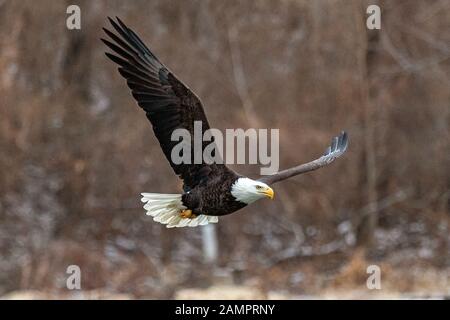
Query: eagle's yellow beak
{"type": "Point", "coordinates": [268, 192]}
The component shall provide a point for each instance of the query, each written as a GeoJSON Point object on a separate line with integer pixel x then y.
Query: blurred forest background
{"type": "Point", "coordinates": [76, 151]}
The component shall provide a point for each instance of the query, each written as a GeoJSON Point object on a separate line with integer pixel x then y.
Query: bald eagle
{"type": "Point", "coordinates": [209, 190]}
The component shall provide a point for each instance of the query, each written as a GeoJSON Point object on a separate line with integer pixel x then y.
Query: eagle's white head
{"type": "Point", "coordinates": [247, 190]}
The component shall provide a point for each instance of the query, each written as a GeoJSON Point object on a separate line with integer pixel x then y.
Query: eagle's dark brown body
{"type": "Point", "coordinates": [213, 197]}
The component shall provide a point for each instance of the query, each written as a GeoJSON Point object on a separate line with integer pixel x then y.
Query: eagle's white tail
{"type": "Point", "coordinates": [166, 209]}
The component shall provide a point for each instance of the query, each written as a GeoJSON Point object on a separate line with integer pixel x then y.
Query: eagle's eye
{"type": "Point", "coordinates": [259, 187]}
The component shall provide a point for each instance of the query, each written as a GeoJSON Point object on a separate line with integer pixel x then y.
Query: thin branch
{"type": "Point", "coordinates": [240, 80]}
{"type": "Point", "coordinates": [386, 202]}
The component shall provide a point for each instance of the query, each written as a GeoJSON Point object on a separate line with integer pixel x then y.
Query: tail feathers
{"type": "Point", "coordinates": [166, 209]}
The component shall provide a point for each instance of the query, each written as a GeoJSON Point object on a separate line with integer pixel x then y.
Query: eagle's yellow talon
{"type": "Point", "coordinates": [187, 214]}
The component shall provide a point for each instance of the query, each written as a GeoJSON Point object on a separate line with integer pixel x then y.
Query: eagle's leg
{"type": "Point", "coordinates": [187, 214]}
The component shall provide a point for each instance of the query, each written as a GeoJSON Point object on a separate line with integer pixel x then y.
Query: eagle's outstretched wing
{"type": "Point", "coordinates": [168, 103]}
{"type": "Point", "coordinates": [337, 148]}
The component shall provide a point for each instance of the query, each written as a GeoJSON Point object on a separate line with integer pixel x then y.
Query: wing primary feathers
{"type": "Point", "coordinates": [334, 143]}
{"type": "Point", "coordinates": [117, 49]}
{"type": "Point", "coordinates": [335, 150]}
{"type": "Point", "coordinates": [130, 56]}
{"type": "Point", "coordinates": [344, 141]}
{"type": "Point", "coordinates": [142, 50]}
{"type": "Point", "coordinates": [130, 74]}
{"type": "Point", "coordinates": [126, 65]}
{"type": "Point", "coordinates": [119, 41]}
{"type": "Point", "coordinates": [136, 40]}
